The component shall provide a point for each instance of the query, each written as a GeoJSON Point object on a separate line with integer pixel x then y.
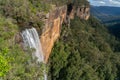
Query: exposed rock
{"type": "Point", "coordinates": [51, 31]}
{"type": "Point", "coordinates": [72, 13]}
{"type": "Point", "coordinates": [83, 12]}
{"type": "Point", "coordinates": [53, 22]}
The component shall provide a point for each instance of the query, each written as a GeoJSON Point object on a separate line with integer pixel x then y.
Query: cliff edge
{"type": "Point", "coordinates": [53, 24]}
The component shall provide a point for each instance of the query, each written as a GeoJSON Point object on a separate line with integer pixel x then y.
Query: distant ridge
{"type": "Point", "coordinates": [106, 14]}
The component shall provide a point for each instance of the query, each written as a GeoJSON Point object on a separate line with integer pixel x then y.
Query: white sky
{"type": "Point", "coordinates": [105, 2]}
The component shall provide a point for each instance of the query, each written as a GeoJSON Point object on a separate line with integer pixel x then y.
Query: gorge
{"type": "Point", "coordinates": [55, 40]}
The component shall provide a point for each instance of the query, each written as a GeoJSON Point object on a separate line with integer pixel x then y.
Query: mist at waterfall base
{"type": "Point", "coordinates": [31, 40]}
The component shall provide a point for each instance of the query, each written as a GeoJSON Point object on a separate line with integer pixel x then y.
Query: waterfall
{"type": "Point", "coordinates": [31, 40]}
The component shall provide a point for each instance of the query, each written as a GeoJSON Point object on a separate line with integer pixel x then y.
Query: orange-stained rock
{"type": "Point", "coordinates": [54, 19]}
{"type": "Point", "coordinates": [71, 16]}
{"type": "Point", "coordinates": [87, 13]}
{"type": "Point", "coordinates": [52, 30]}
{"type": "Point", "coordinates": [83, 12]}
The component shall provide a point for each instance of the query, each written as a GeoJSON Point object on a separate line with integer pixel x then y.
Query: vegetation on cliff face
{"type": "Point", "coordinates": [15, 64]}
{"type": "Point", "coordinates": [74, 2]}
{"type": "Point", "coordinates": [85, 51]}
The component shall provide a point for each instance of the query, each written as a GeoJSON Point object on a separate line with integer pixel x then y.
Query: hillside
{"type": "Point", "coordinates": [110, 16]}
{"type": "Point", "coordinates": [85, 51]}
{"type": "Point", "coordinates": [106, 14]}
{"type": "Point", "coordinates": [115, 30]}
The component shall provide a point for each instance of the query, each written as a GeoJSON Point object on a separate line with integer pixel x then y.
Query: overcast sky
{"type": "Point", "coordinates": [105, 2]}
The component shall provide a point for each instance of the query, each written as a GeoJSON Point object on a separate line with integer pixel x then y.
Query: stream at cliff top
{"type": "Point", "coordinates": [31, 40]}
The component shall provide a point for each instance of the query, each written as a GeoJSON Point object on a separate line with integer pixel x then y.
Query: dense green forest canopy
{"type": "Point", "coordinates": [85, 51]}
{"type": "Point", "coordinates": [115, 29]}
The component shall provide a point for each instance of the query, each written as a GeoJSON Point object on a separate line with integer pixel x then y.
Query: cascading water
{"type": "Point", "coordinates": [31, 40]}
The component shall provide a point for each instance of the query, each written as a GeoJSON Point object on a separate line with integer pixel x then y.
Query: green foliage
{"type": "Point", "coordinates": [74, 2]}
{"type": "Point", "coordinates": [25, 12]}
{"type": "Point", "coordinates": [84, 52]}
{"type": "Point", "coordinates": [80, 2]}
{"type": "Point", "coordinates": [4, 59]}
{"type": "Point", "coordinates": [7, 31]}
{"type": "Point", "coordinates": [23, 66]}
{"type": "Point", "coordinates": [7, 28]}
{"type": "Point", "coordinates": [16, 64]}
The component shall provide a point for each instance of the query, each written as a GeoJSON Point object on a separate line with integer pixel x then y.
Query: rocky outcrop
{"type": "Point", "coordinates": [52, 28]}
{"type": "Point", "coordinates": [83, 12]}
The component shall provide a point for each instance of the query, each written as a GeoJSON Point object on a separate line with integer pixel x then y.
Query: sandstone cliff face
{"type": "Point", "coordinates": [53, 23]}
{"type": "Point", "coordinates": [51, 31]}
{"type": "Point", "coordinates": [83, 12]}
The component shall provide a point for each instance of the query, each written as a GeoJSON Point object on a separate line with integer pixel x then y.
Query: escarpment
{"type": "Point", "coordinates": [53, 21]}
{"type": "Point", "coordinates": [83, 12]}
{"type": "Point", "coordinates": [53, 24]}
{"type": "Point", "coordinates": [51, 29]}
